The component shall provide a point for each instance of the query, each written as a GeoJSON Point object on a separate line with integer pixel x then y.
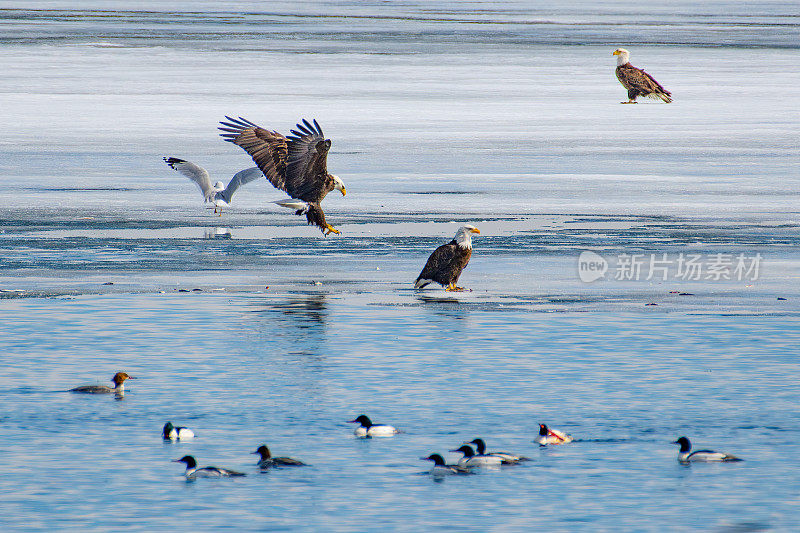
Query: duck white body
{"type": "Point", "coordinates": [367, 429]}
{"type": "Point", "coordinates": [441, 469]}
{"type": "Point", "coordinates": [472, 460]}
{"type": "Point", "coordinates": [551, 436]}
{"type": "Point", "coordinates": [192, 472]}
{"type": "Point", "coordinates": [171, 432]}
{"type": "Point", "coordinates": [506, 458]}
{"type": "Point", "coordinates": [686, 455]}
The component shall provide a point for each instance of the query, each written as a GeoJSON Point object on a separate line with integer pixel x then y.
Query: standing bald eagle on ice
{"type": "Point", "coordinates": [446, 263]}
{"type": "Point", "coordinates": [637, 81]}
{"type": "Point", "coordinates": [297, 164]}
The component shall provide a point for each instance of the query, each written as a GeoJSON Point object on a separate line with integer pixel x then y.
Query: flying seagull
{"type": "Point", "coordinates": [445, 264]}
{"type": "Point", "coordinates": [296, 164]}
{"type": "Point", "coordinates": [217, 193]}
{"type": "Point", "coordinates": [637, 81]}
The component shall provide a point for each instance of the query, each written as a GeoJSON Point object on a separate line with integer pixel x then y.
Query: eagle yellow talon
{"type": "Point", "coordinates": [453, 288]}
{"type": "Point", "coordinates": [330, 229]}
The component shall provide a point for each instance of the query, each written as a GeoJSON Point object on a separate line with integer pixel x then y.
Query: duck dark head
{"type": "Point", "coordinates": [188, 459]}
{"type": "Point", "coordinates": [479, 444]}
{"type": "Point", "coordinates": [168, 427]}
{"type": "Point", "coordinates": [437, 459]}
{"type": "Point", "coordinates": [466, 450]}
{"type": "Point", "coordinates": [543, 429]}
{"type": "Point", "coordinates": [363, 420]}
{"type": "Point", "coordinates": [263, 451]}
{"type": "Point", "coordinates": [685, 444]}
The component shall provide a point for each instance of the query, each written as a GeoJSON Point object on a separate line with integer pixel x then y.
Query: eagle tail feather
{"type": "Point", "coordinates": [293, 203]}
{"type": "Point", "coordinates": [422, 283]}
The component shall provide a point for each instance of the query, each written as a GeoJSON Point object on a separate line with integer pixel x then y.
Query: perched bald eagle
{"type": "Point", "coordinates": [637, 81]}
{"type": "Point", "coordinates": [445, 264]}
{"type": "Point", "coordinates": [217, 193]}
{"type": "Point", "coordinates": [296, 164]}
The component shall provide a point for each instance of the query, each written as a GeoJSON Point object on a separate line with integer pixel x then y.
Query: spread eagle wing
{"type": "Point", "coordinates": [307, 167]}
{"type": "Point", "coordinates": [636, 78]}
{"type": "Point", "coordinates": [296, 164]}
{"type": "Point", "coordinates": [269, 149]}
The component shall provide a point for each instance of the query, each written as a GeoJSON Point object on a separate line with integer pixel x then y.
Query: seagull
{"type": "Point", "coordinates": [216, 193]}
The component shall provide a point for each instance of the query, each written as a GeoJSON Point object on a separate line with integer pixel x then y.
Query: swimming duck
{"type": "Point", "coordinates": [368, 429]}
{"type": "Point", "coordinates": [551, 436]}
{"type": "Point", "coordinates": [505, 457]}
{"type": "Point", "coordinates": [470, 459]}
{"type": "Point", "coordinates": [268, 461]}
{"type": "Point", "coordinates": [193, 472]}
{"type": "Point", "coordinates": [171, 432]}
{"type": "Point", "coordinates": [685, 455]}
{"type": "Point", "coordinates": [119, 386]}
{"type": "Point", "coordinates": [441, 469]}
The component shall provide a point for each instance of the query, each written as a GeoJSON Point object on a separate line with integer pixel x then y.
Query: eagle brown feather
{"type": "Point", "coordinates": [297, 164]}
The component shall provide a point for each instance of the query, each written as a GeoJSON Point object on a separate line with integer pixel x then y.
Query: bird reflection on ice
{"type": "Point", "coordinates": [217, 233]}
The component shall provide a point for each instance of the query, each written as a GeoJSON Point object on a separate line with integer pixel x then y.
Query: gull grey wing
{"type": "Point", "coordinates": [194, 172]}
{"type": "Point", "coordinates": [243, 177]}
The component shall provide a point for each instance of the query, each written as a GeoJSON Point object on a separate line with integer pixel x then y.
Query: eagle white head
{"type": "Point", "coordinates": [463, 236]}
{"type": "Point", "coordinates": [622, 56]}
{"type": "Point", "coordinates": [338, 185]}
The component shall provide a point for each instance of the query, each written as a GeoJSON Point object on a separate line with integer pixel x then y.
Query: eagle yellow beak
{"type": "Point", "coordinates": [475, 230]}
{"type": "Point", "coordinates": [615, 53]}
{"type": "Point", "coordinates": [344, 191]}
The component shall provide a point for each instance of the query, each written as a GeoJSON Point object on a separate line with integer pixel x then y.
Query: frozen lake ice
{"type": "Point", "coordinates": [503, 116]}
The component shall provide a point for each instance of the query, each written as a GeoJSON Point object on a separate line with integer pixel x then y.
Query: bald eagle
{"type": "Point", "coordinates": [296, 164]}
{"type": "Point", "coordinates": [637, 81]}
{"type": "Point", "coordinates": [445, 264]}
{"type": "Point", "coordinates": [216, 193]}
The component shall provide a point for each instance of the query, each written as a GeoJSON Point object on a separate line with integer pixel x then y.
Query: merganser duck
{"type": "Point", "coordinates": [551, 436]}
{"type": "Point", "coordinates": [685, 455]}
{"type": "Point", "coordinates": [470, 459]}
{"type": "Point", "coordinates": [368, 429]}
{"type": "Point", "coordinates": [193, 472]}
{"type": "Point", "coordinates": [505, 457]}
{"type": "Point", "coordinates": [171, 432]}
{"type": "Point", "coordinates": [119, 386]}
{"type": "Point", "coordinates": [441, 469]}
{"type": "Point", "coordinates": [268, 461]}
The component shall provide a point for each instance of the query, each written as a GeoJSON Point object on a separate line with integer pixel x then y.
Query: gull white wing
{"type": "Point", "coordinates": [243, 177]}
{"type": "Point", "coordinates": [194, 172]}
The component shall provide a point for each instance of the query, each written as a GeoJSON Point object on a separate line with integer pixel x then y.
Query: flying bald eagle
{"type": "Point", "coordinates": [445, 264]}
{"type": "Point", "coordinates": [217, 193]}
{"type": "Point", "coordinates": [296, 164]}
{"type": "Point", "coordinates": [637, 81]}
